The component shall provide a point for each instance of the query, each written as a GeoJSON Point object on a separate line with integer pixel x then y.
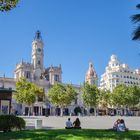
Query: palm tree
{"type": "Point", "coordinates": [136, 20]}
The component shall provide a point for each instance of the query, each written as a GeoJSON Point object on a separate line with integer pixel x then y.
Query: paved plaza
{"type": "Point", "coordinates": [91, 122]}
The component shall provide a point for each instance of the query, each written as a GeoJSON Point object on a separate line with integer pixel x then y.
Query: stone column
{"type": "Point", "coordinates": [41, 110]}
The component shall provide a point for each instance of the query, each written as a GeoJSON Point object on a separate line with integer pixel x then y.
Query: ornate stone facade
{"type": "Point", "coordinates": [117, 73]}
{"type": "Point", "coordinates": [91, 76]}
{"type": "Point", "coordinates": [43, 77]}
{"type": "Point", "coordinates": [35, 70]}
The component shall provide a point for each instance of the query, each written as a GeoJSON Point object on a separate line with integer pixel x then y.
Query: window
{"type": "Point", "coordinates": [47, 77]}
{"type": "Point", "coordinates": [38, 62]}
{"type": "Point", "coordinates": [56, 78]}
{"type": "Point", "coordinates": [27, 74]}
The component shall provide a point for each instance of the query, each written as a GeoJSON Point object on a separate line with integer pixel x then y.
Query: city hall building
{"type": "Point", "coordinates": [44, 77]}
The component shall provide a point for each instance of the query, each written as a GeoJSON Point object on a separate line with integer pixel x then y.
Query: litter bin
{"type": "Point", "coordinates": [38, 124]}
{"type": "Point", "coordinates": [79, 114]}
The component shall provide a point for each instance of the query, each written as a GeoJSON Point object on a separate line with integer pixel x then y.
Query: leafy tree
{"type": "Point", "coordinates": [6, 5]}
{"type": "Point", "coordinates": [136, 20]}
{"type": "Point", "coordinates": [133, 98]}
{"type": "Point", "coordinates": [27, 92]}
{"type": "Point", "coordinates": [105, 99]}
{"type": "Point", "coordinates": [119, 96]}
{"type": "Point", "coordinates": [61, 95]}
{"type": "Point", "coordinates": [124, 96]}
{"type": "Point", "coordinates": [90, 95]}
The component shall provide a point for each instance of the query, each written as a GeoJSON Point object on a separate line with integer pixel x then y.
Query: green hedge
{"type": "Point", "coordinates": [10, 122]}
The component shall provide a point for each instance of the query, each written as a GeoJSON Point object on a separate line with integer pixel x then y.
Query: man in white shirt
{"type": "Point", "coordinates": [68, 124]}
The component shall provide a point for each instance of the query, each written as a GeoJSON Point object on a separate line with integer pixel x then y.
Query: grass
{"type": "Point", "coordinates": [62, 134]}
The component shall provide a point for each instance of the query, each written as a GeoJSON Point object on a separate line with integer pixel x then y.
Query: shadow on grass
{"type": "Point", "coordinates": [62, 134]}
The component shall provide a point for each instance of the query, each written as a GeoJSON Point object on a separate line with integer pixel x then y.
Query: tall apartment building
{"type": "Point", "coordinates": [117, 73]}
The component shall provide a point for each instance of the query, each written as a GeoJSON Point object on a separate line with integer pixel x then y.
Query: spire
{"type": "Point", "coordinates": [38, 35]}
{"type": "Point", "coordinates": [91, 72]}
{"type": "Point", "coordinates": [60, 66]}
{"type": "Point", "coordinates": [22, 61]}
{"type": "Point", "coordinates": [90, 65]}
{"type": "Point", "coordinates": [3, 80]}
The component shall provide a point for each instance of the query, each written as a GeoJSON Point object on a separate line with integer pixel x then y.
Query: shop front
{"type": "Point", "coordinates": [5, 100]}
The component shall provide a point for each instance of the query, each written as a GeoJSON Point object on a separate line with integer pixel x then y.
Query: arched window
{"type": "Point", "coordinates": [38, 62]}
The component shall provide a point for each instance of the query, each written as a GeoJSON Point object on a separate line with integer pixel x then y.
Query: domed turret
{"type": "Point", "coordinates": [91, 76]}
{"type": "Point", "coordinates": [113, 57]}
{"type": "Point", "coordinates": [91, 72]}
{"type": "Point", "coordinates": [113, 61]}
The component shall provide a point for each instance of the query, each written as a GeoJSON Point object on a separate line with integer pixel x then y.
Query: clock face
{"type": "Point", "coordinates": [39, 50]}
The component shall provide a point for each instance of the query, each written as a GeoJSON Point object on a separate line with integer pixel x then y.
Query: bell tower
{"type": "Point", "coordinates": [91, 76]}
{"type": "Point", "coordinates": [37, 54]}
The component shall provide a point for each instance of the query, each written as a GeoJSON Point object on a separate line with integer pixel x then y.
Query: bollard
{"type": "Point", "coordinates": [38, 124]}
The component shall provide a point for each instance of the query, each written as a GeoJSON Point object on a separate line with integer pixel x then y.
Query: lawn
{"type": "Point", "coordinates": [62, 134]}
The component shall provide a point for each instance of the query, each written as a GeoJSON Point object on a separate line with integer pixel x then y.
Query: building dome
{"type": "Point", "coordinates": [113, 57]}
{"type": "Point", "coordinates": [113, 61]}
{"type": "Point", "coordinates": [91, 72]}
{"type": "Point", "coordinates": [91, 76]}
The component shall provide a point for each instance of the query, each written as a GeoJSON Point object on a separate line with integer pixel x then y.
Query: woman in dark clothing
{"type": "Point", "coordinates": [77, 123]}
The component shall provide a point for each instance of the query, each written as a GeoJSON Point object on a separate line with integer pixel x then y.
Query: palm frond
{"type": "Point", "coordinates": [136, 34]}
{"type": "Point", "coordinates": [138, 6]}
{"type": "Point", "coordinates": [135, 18]}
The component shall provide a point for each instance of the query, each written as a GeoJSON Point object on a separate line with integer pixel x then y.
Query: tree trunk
{"type": "Point", "coordinates": [61, 111]}
{"type": "Point", "coordinates": [29, 111]}
{"type": "Point", "coordinates": [33, 110]}
{"type": "Point", "coordinates": [107, 111]}
{"type": "Point", "coordinates": [95, 114]}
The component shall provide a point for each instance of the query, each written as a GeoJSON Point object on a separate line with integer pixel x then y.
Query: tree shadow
{"type": "Point", "coordinates": [62, 134]}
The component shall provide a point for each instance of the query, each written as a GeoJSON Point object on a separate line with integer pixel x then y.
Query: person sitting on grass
{"type": "Point", "coordinates": [121, 126]}
{"type": "Point", "coordinates": [77, 123]}
{"type": "Point", "coordinates": [115, 126]}
{"type": "Point", "coordinates": [68, 124]}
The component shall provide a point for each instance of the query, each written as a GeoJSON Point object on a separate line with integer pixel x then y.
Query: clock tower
{"type": "Point", "coordinates": [37, 55]}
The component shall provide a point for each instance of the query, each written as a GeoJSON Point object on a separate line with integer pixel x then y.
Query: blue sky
{"type": "Point", "coordinates": [75, 32]}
